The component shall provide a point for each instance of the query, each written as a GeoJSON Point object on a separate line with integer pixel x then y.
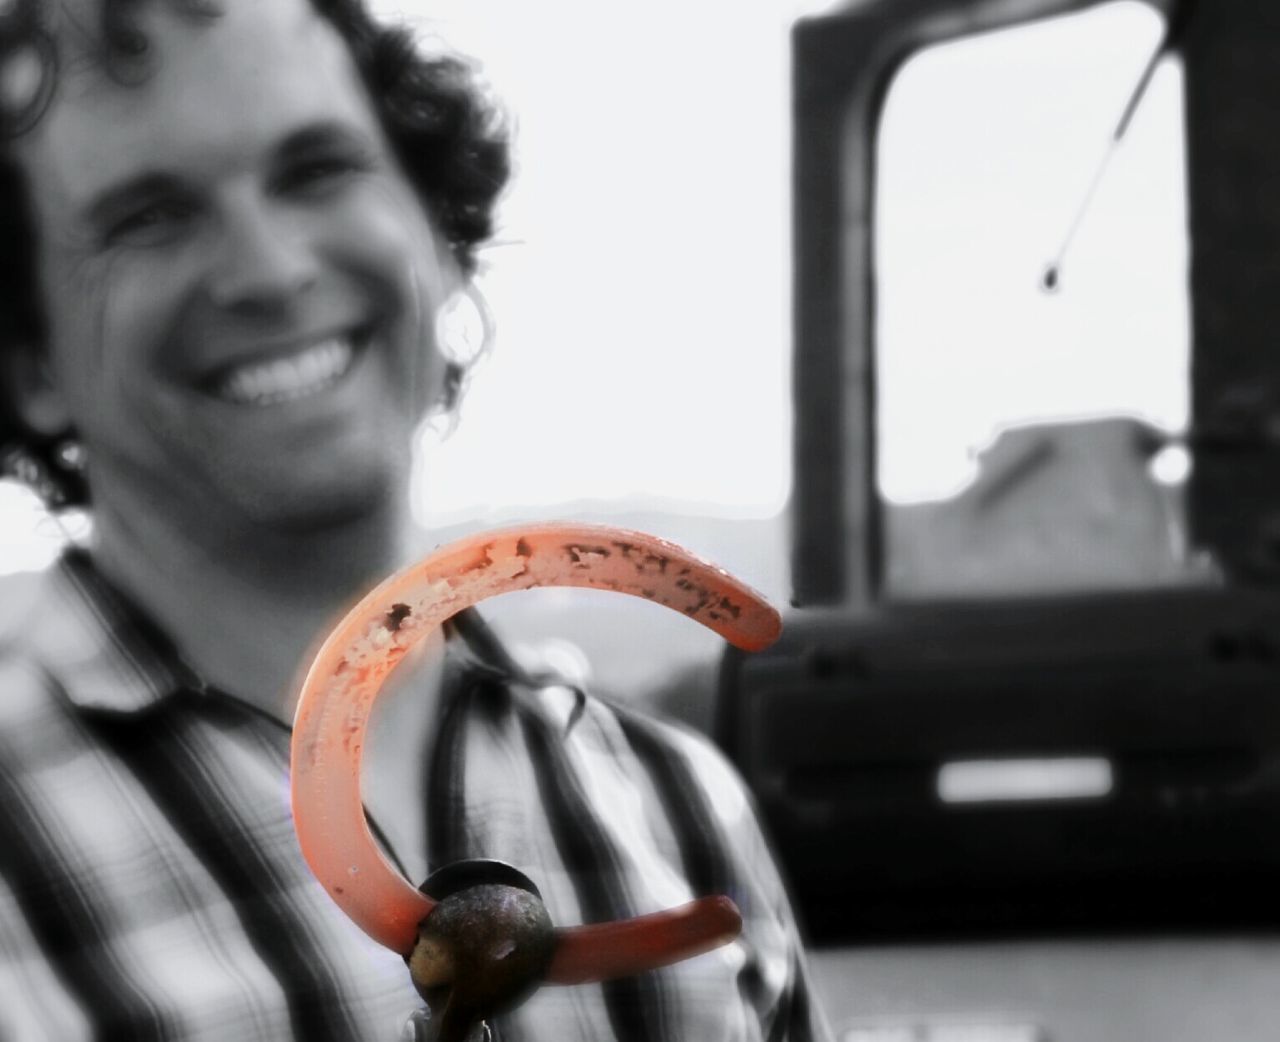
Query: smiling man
{"type": "Point", "coordinates": [245, 280]}
{"type": "Point", "coordinates": [229, 230]}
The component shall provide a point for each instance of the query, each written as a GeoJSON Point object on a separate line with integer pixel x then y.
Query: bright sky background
{"type": "Point", "coordinates": [642, 285]}
{"type": "Point", "coordinates": [643, 307]}
{"type": "Point", "coordinates": [989, 145]}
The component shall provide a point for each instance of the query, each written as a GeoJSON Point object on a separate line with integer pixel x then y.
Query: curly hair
{"type": "Point", "coordinates": [448, 135]}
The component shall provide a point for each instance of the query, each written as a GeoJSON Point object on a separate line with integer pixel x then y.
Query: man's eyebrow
{"type": "Point", "coordinates": [321, 135]}
{"type": "Point", "coordinates": [107, 203]}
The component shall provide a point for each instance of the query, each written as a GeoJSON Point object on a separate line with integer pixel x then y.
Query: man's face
{"type": "Point", "coordinates": [237, 277]}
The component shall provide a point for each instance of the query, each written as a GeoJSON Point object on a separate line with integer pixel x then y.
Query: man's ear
{"type": "Point", "coordinates": [34, 391]}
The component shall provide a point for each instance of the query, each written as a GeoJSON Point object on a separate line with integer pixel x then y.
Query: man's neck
{"type": "Point", "coordinates": [249, 614]}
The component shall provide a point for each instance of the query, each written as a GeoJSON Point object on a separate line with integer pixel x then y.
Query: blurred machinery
{"type": "Point", "coordinates": [1024, 789]}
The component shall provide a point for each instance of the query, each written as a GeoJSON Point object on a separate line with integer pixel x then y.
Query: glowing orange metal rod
{"type": "Point", "coordinates": [356, 659]}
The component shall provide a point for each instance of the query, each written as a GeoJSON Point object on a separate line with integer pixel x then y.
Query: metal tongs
{"type": "Point", "coordinates": [489, 943]}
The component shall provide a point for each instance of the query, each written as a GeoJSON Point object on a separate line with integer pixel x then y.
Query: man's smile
{"type": "Point", "coordinates": [299, 373]}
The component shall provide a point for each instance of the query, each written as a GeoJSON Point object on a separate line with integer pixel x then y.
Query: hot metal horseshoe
{"type": "Point", "coordinates": [356, 659]}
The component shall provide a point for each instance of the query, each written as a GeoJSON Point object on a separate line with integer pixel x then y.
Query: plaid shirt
{"type": "Point", "coordinates": [152, 886]}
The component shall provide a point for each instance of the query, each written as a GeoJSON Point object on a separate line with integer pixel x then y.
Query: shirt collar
{"type": "Point", "coordinates": [105, 654]}
{"type": "Point", "coordinates": [108, 656]}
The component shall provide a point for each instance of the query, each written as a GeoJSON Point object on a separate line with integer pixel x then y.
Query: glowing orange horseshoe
{"type": "Point", "coordinates": [339, 690]}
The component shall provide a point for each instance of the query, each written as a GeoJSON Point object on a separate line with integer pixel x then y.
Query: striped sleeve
{"type": "Point", "coordinates": [54, 912]}
{"type": "Point", "coordinates": [782, 991]}
{"type": "Point", "coordinates": [34, 1003]}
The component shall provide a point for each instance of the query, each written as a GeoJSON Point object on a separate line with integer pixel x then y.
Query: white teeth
{"type": "Point", "coordinates": [286, 379]}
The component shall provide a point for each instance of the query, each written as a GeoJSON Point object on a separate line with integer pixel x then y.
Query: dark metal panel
{"type": "Point", "coordinates": [842, 728]}
{"type": "Point", "coordinates": [1232, 59]}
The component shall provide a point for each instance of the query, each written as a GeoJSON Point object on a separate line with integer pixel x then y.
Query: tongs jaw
{"type": "Point", "coordinates": [488, 944]}
{"type": "Point", "coordinates": [484, 947]}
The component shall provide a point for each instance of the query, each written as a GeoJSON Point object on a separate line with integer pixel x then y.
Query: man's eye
{"type": "Point", "coordinates": [154, 224]}
{"type": "Point", "coordinates": [320, 174]}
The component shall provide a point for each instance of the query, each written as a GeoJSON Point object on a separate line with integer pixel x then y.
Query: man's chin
{"type": "Point", "coordinates": [324, 510]}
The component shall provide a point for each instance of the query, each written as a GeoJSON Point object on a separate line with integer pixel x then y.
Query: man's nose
{"type": "Point", "coordinates": [263, 262]}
